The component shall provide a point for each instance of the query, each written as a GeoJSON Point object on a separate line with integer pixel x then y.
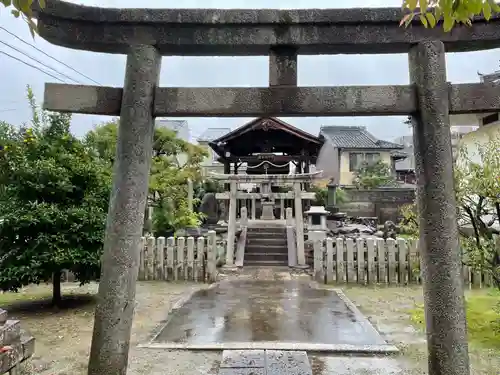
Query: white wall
{"type": "Point", "coordinates": [474, 140]}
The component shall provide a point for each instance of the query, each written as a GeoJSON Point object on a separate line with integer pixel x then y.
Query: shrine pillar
{"type": "Point", "coordinates": [299, 224]}
{"type": "Point", "coordinates": [120, 259]}
{"type": "Point", "coordinates": [441, 261]}
{"type": "Point", "coordinates": [231, 227]}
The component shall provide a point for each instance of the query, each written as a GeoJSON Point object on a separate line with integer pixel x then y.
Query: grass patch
{"type": "Point", "coordinates": [24, 295]}
{"type": "Point", "coordinates": [483, 318]}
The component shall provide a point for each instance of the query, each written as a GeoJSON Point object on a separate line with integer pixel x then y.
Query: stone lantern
{"type": "Point", "coordinates": [316, 216]}
{"type": "Point", "coordinates": [331, 198]}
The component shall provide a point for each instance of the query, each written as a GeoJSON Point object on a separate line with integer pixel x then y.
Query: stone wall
{"type": "Point", "coordinates": [14, 346]}
{"type": "Point", "coordinates": [383, 203]}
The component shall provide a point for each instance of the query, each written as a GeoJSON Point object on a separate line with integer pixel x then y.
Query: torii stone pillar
{"type": "Point", "coordinates": [120, 261]}
{"type": "Point", "coordinates": [231, 227]}
{"type": "Point", "coordinates": [441, 261]}
{"type": "Point", "coordinates": [299, 224]}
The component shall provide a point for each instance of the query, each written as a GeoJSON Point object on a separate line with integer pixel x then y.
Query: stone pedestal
{"type": "Point", "coordinates": [267, 211]}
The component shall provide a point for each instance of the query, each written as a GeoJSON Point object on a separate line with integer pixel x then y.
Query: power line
{"type": "Point", "coordinates": [46, 54]}
{"type": "Point", "coordinates": [38, 61]}
{"type": "Point", "coordinates": [32, 66]}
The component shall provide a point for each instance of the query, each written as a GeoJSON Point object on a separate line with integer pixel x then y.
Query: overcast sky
{"type": "Point", "coordinates": [109, 69]}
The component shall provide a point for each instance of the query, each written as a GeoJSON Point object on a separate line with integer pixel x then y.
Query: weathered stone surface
{"type": "Point", "coordinates": [441, 261]}
{"type": "Point", "coordinates": [11, 357]}
{"type": "Point", "coordinates": [243, 358]}
{"type": "Point", "coordinates": [210, 208]}
{"type": "Point", "coordinates": [120, 259]}
{"type": "Point", "coordinates": [83, 99]}
{"type": "Point", "coordinates": [273, 101]}
{"type": "Point", "coordinates": [28, 344]}
{"type": "Point", "coordinates": [3, 316]}
{"type": "Point", "coordinates": [283, 66]}
{"type": "Point", "coordinates": [272, 313]}
{"type": "Point", "coordinates": [280, 362]}
{"type": "Point", "coordinates": [205, 31]}
{"type": "Point", "coordinates": [242, 371]}
{"type": "Point", "coordinates": [10, 332]}
{"type": "Point", "coordinates": [312, 101]}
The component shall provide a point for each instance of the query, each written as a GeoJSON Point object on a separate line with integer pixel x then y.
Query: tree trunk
{"type": "Point", "coordinates": [56, 288]}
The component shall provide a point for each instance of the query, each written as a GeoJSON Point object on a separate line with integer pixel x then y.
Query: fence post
{"type": "Point", "coordinates": [200, 259]}
{"type": "Point", "coordinates": [382, 265]}
{"type": "Point", "coordinates": [179, 264]}
{"type": "Point", "coordinates": [339, 259]}
{"type": "Point", "coordinates": [370, 260]}
{"type": "Point", "coordinates": [391, 260]}
{"type": "Point", "coordinates": [142, 246]}
{"type": "Point", "coordinates": [212, 257]}
{"type": "Point", "coordinates": [160, 258]}
{"type": "Point", "coordinates": [413, 261]}
{"type": "Point", "coordinates": [360, 258]}
{"type": "Point", "coordinates": [329, 259]}
{"type": "Point", "coordinates": [151, 258]}
{"type": "Point", "coordinates": [402, 271]}
{"type": "Point", "coordinates": [189, 270]}
{"type": "Point", "coordinates": [351, 278]}
{"type": "Point", "coordinates": [318, 238]}
{"type": "Point", "coordinates": [170, 258]}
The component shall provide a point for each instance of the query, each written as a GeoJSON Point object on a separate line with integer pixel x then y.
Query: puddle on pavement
{"type": "Point", "coordinates": [256, 311]}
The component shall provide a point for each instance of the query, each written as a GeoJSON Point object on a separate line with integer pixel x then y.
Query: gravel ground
{"type": "Point", "coordinates": [389, 308]}
{"type": "Point", "coordinates": [63, 336]}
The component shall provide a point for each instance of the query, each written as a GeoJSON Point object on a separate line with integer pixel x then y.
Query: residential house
{"type": "Point", "coordinates": [347, 147]}
{"type": "Point", "coordinates": [181, 128]}
{"type": "Point", "coordinates": [405, 168]}
{"type": "Point", "coordinates": [210, 163]}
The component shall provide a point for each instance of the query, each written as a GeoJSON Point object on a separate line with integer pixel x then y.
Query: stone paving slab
{"type": "Point", "coordinates": [264, 362]}
{"type": "Point", "coordinates": [277, 314]}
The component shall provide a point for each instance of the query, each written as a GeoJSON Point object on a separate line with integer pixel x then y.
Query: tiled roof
{"type": "Point", "coordinates": [355, 137]}
{"type": "Point", "coordinates": [213, 133]}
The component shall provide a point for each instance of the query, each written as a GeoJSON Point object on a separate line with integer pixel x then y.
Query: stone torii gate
{"type": "Point", "coordinates": [266, 181]}
{"type": "Point", "coordinates": [144, 35]}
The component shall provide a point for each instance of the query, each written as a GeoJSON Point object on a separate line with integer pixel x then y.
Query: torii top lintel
{"type": "Point", "coordinates": [233, 32]}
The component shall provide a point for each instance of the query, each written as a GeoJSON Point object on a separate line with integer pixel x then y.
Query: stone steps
{"type": "Point", "coordinates": [266, 246]}
{"type": "Point", "coordinates": [269, 241]}
{"type": "Point", "coordinates": [263, 249]}
{"type": "Point", "coordinates": [256, 257]}
{"type": "Point", "coordinates": [266, 234]}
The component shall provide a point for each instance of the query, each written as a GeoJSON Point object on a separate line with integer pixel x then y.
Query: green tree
{"type": "Point", "coordinates": [174, 162]}
{"type": "Point", "coordinates": [23, 9]}
{"type": "Point", "coordinates": [450, 12]}
{"type": "Point", "coordinates": [477, 188]}
{"type": "Point", "coordinates": [477, 184]}
{"type": "Point", "coordinates": [53, 202]}
{"type": "Point", "coordinates": [373, 175]}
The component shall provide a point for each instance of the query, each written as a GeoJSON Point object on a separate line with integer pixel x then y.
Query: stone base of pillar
{"type": "Point", "coordinates": [299, 267]}
{"type": "Point", "coordinates": [267, 211]}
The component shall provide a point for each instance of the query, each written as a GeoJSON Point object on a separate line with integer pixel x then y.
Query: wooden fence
{"type": "Point", "coordinates": [172, 259]}
{"type": "Point", "coordinates": [377, 261]}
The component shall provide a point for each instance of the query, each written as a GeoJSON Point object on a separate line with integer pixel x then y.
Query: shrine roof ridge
{"type": "Point", "coordinates": [250, 32]}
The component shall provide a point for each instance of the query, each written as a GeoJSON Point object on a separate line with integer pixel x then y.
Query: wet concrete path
{"type": "Point", "coordinates": [279, 311]}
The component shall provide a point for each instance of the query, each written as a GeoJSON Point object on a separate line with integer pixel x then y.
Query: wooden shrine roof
{"type": "Point", "coordinates": [266, 135]}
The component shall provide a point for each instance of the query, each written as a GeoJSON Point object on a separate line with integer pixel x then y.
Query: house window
{"type": "Point", "coordinates": [372, 157]}
{"type": "Point", "coordinates": [355, 160]}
